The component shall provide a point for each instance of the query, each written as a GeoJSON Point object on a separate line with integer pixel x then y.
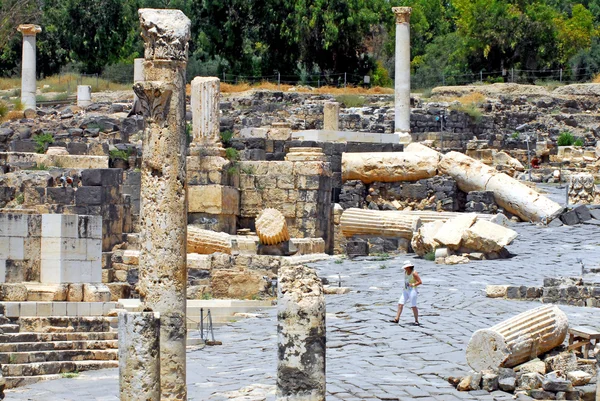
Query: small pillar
{"type": "Point", "coordinates": [402, 79]}
{"type": "Point", "coordinates": [84, 96]}
{"type": "Point", "coordinates": [139, 356]}
{"type": "Point", "coordinates": [163, 213]}
{"type": "Point", "coordinates": [331, 116]}
{"type": "Point", "coordinates": [138, 73]}
{"type": "Point", "coordinates": [206, 129]}
{"type": "Point", "coordinates": [301, 335]}
{"type": "Point", "coordinates": [28, 66]}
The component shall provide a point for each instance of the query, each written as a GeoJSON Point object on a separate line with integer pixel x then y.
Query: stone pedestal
{"type": "Point", "coordinates": [402, 79]}
{"type": "Point", "coordinates": [84, 96]}
{"type": "Point", "coordinates": [28, 65]}
{"type": "Point", "coordinates": [331, 116]}
{"type": "Point", "coordinates": [205, 112]}
{"type": "Point", "coordinates": [301, 335]}
{"type": "Point", "coordinates": [163, 215]}
{"type": "Point", "coordinates": [139, 356]}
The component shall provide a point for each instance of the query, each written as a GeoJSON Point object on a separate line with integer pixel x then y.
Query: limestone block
{"type": "Point", "coordinates": [206, 242]}
{"type": "Point", "coordinates": [423, 240]}
{"type": "Point", "coordinates": [388, 166]}
{"type": "Point", "coordinates": [46, 292]}
{"type": "Point", "coordinates": [57, 150]}
{"type": "Point", "coordinates": [213, 199]}
{"type": "Point", "coordinates": [305, 154]}
{"type": "Point", "coordinates": [301, 335]}
{"type": "Point", "coordinates": [237, 284]}
{"type": "Point", "coordinates": [579, 378]}
{"type": "Point", "coordinates": [496, 291]}
{"type": "Point", "coordinates": [96, 293]}
{"type": "Point", "coordinates": [198, 261]}
{"type": "Point", "coordinates": [331, 116]}
{"type": "Point", "coordinates": [139, 356]}
{"type": "Point", "coordinates": [271, 227]}
{"type": "Point", "coordinates": [534, 366]}
{"type": "Point", "coordinates": [451, 233]}
{"type": "Point", "coordinates": [13, 292]}
{"type": "Point", "coordinates": [376, 223]}
{"type": "Point", "coordinates": [487, 237]}
{"type": "Point", "coordinates": [530, 381]}
{"type": "Point", "coordinates": [517, 339]}
{"type": "Point", "coordinates": [510, 194]}
{"type": "Point", "coordinates": [564, 362]}
{"type": "Point", "coordinates": [75, 292]}
{"type": "Point", "coordinates": [504, 159]}
{"type": "Point", "coordinates": [455, 260]}
{"type": "Point", "coordinates": [132, 257]}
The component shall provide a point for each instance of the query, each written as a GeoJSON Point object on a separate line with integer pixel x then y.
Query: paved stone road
{"type": "Point", "coordinates": [367, 357]}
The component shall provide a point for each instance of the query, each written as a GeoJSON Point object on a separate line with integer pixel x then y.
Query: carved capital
{"type": "Point", "coordinates": [402, 14]}
{"type": "Point", "coordinates": [29, 29]}
{"type": "Point", "coordinates": [155, 99]}
{"type": "Point", "coordinates": [166, 34]}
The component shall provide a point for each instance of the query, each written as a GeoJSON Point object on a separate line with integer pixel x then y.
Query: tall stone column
{"type": "Point", "coordinates": [301, 335]}
{"type": "Point", "coordinates": [139, 356]}
{"type": "Point", "coordinates": [205, 116]}
{"type": "Point", "coordinates": [402, 84]}
{"type": "Point", "coordinates": [28, 65]}
{"type": "Point", "coordinates": [163, 214]}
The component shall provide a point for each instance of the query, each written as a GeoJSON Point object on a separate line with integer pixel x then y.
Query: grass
{"type": "Point", "coordinates": [338, 261]}
{"type": "Point", "coordinates": [18, 105]}
{"type": "Point", "coordinates": [382, 256]}
{"type": "Point", "coordinates": [565, 139]}
{"type": "Point", "coordinates": [550, 85]}
{"type": "Point", "coordinates": [351, 100]}
{"type": "Point", "coordinates": [66, 83]}
{"type": "Point", "coordinates": [515, 135]}
{"type": "Point", "coordinates": [9, 83]}
{"type": "Point", "coordinates": [3, 109]}
{"type": "Point", "coordinates": [119, 154]}
{"type": "Point", "coordinates": [206, 296]}
{"type": "Point", "coordinates": [69, 375]}
{"type": "Point", "coordinates": [244, 86]}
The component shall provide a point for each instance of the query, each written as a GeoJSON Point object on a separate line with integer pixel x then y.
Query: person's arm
{"type": "Point", "coordinates": [418, 279]}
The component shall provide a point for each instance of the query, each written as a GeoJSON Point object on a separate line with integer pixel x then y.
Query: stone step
{"type": "Point", "coordinates": [20, 381]}
{"type": "Point", "coordinates": [24, 337]}
{"type": "Point", "coordinates": [12, 358]}
{"type": "Point", "coordinates": [9, 328]}
{"type": "Point", "coordinates": [59, 346]}
{"type": "Point", "coordinates": [66, 324]}
{"type": "Point", "coordinates": [54, 368]}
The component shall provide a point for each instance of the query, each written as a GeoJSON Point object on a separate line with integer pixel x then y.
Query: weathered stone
{"type": "Point", "coordinates": [237, 284]}
{"type": "Point", "coordinates": [213, 199]}
{"type": "Point", "coordinates": [555, 384]}
{"type": "Point", "coordinates": [496, 291]}
{"type": "Point", "coordinates": [530, 381]}
{"type": "Point", "coordinates": [517, 339]}
{"type": "Point", "coordinates": [582, 189]}
{"type": "Point", "coordinates": [271, 227]}
{"type": "Point", "coordinates": [139, 356]}
{"type": "Point", "coordinates": [331, 116]}
{"type": "Point", "coordinates": [95, 293]}
{"type": "Point", "coordinates": [451, 233]}
{"type": "Point", "coordinates": [206, 242]}
{"type": "Point", "coordinates": [564, 362]}
{"type": "Point", "coordinates": [538, 394]}
{"type": "Point", "coordinates": [489, 381]}
{"type": "Point", "coordinates": [456, 260]}
{"type": "Point", "coordinates": [487, 237]}
{"type": "Point", "coordinates": [423, 240]}
{"type": "Point", "coordinates": [13, 292]}
{"type": "Point", "coordinates": [388, 167]}
{"type": "Point", "coordinates": [376, 223]}
{"type": "Point", "coordinates": [579, 378]}
{"type": "Point", "coordinates": [301, 335]}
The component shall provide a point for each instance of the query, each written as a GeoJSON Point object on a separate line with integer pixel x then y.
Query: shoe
{"type": "Point", "coordinates": [394, 321]}
{"type": "Point", "coordinates": [416, 324]}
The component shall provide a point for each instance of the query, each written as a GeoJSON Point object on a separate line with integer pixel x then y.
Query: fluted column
{"type": "Point", "coordinates": [206, 131]}
{"type": "Point", "coordinates": [377, 223]}
{"type": "Point", "coordinates": [271, 227]}
{"type": "Point", "coordinates": [206, 242]}
{"type": "Point", "coordinates": [388, 166]}
{"type": "Point", "coordinates": [518, 339]}
{"type": "Point", "coordinates": [28, 65]}
{"type": "Point", "coordinates": [402, 82]}
{"type": "Point", "coordinates": [163, 215]}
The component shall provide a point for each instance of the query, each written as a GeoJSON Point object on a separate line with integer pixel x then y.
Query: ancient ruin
{"type": "Point", "coordinates": [28, 66]}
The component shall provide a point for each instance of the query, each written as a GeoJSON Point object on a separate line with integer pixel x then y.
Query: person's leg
{"type": "Point", "coordinates": [401, 302]}
{"type": "Point", "coordinates": [400, 307]}
{"type": "Point", "coordinates": [416, 313]}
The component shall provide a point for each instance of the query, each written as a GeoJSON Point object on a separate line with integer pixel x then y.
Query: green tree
{"type": "Point", "coordinates": [575, 33]}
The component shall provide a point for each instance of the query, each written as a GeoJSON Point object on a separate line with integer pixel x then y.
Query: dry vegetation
{"type": "Point", "coordinates": [244, 86]}
{"type": "Point", "coordinates": [65, 83]}
{"type": "Point", "coordinates": [596, 79]}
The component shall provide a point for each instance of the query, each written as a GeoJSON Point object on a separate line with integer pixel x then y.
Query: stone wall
{"type": "Point", "coordinates": [20, 247]}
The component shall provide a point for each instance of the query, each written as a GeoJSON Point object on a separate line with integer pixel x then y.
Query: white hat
{"type": "Point", "coordinates": [408, 263]}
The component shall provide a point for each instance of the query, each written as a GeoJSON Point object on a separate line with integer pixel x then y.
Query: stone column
{"type": "Point", "coordinates": [301, 335]}
{"type": "Point", "coordinates": [163, 214]}
{"type": "Point", "coordinates": [139, 356]}
{"type": "Point", "coordinates": [138, 73]}
{"type": "Point", "coordinates": [378, 223]}
{"type": "Point", "coordinates": [402, 84]}
{"type": "Point", "coordinates": [205, 111]}
{"type": "Point", "coordinates": [331, 116]}
{"type": "Point", "coordinates": [84, 95]}
{"type": "Point", "coordinates": [28, 67]}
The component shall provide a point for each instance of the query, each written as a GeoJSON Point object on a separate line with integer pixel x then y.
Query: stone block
{"type": "Point", "coordinates": [46, 293]}
{"type": "Point", "coordinates": [496, 291]}
{"type": "Point", "coordinates": [60, 226]}
{"type": "Point", "coordinates": [579, 378]}
{"type": "Point", "coordinates": [83, 309]}
{"type": "Point", "coordinates": [213, 199]}
{"type": "Point", "coordinates": [101, 177]}
{"type": "Point", "coordinates": [60, 195]}
{"type": "Point", "coordinates": [59, 309]}
{"type": "Point", "coordinates": [44, 309]}
{"type": "Point", "coordinates": [119, 291]}
{"type": "Point", "coordinates": [14, 225]}
{"type": "Point", "coordinates": [96, 308]}
{"type": "Point", "coordinates": [28, 309]}
{"type": "Point", "coordinates": [4, 247]}
{"type": "Point", "coordinates": [357, 247]}
{"type": "Point", "coordinates": [13, 292]}
{"type": "Point", "coordinates": [570, 218]}
{"type": "Point", "coordinates": [583, 213]}
{"type": "Point", "coordinates": [451, 233]}
{"type": "Point", "coordinates": [75, 292]}
{"type": "Point", "coordinates": [15, 248]}
{"type": "Point", "coordinates": [238, 284]}
{"type": "Point", "coordinates": [96, 293]}
{"type": "Point", "coordinates": [85, 196]}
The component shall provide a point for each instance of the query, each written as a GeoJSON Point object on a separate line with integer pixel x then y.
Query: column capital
{"type": "Point", "coordinates": [29, 29]}
{"type": "Point", "coordinates": [402, 14]}
{"type": "Point", "coordinates": [166, 34]}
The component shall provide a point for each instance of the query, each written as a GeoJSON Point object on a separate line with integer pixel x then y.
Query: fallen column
{"type": "Point", "coordinates": [388, 166]}
{"type": "Point", "coordinates": [139, 356]}
{"type": "Point", "coordinates": [429, 216]}
{"type": "Point", "coordinates": [415, 147]}
{"type": "Point", "coordinates": [271, 227]}
{"type": "Point", "coordinates": [301, 335]}
{"type": "Point", "coordinates": [510, 194]}
{"type": "Point", "coordinates": [377, 223]}
{"type": "Point", "coordinates": [518, 339]}
{"type": "Point", "coordinates": [206, 242]}
{"type": "Point", "coordinates": [163, 215]}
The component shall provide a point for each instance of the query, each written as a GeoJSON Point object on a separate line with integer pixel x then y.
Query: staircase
{"type": "Point", "coordinates": [42, 348]}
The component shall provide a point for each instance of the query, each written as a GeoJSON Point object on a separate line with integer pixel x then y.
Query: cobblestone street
{"type": "Point", "coordinates": [368, 357]}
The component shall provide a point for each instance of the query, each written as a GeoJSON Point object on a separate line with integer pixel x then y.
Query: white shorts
{"type": "Point", "coordinates": [409, 296]}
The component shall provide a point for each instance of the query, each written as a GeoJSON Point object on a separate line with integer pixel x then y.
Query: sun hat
{"type": "Point", "coordinates": [408, 263]}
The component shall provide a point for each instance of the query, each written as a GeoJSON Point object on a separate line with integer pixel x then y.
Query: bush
{"type": "Point", "coordinates": [381, 76]}
{"type": "Point", "coordinates": [42, 141]}
{"type": "Point", "coordinates": [578, 142]}
{"type": "Point", "coordinates": [471, 110]}
{"type": "Point", "coordinates": [118, 154]}
{"type": "Point", "coordinates": [429, 256]}
{"type": "Point", "coordinates": [226, 137]}
{"type": "Point", "coordinates": [232, 154]}
{"type": "Point", "coordinates": [565, 139]}
{"type": "Point", "coordinates": [351, 100]}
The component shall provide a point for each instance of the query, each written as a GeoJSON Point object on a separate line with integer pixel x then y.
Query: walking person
{"type": "Point", "coordinates": [409, 293]}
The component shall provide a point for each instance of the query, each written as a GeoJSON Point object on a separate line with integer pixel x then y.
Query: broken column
{"type": "Point", "coordinates": [301, 335]}
{"type": "Point", "coordinates": [138, 73]}
{"type": "Point", "coordinates": [139, 356]}
{"type": "Point", "coordinates": [206, 132]}
{"type": "Point", "coordinates": [512, 195]}
{"type": "Point", "coordinates": [331, 116]}
{"type": "Point", "coordinates": [163, 214]}
{"type": "Point", "coordinates": [84, 96]}
{"type": "Point", "coordinates": [376, 223]}
{"type": "Point", "coordinates": [582, 189]}
{"type": "Point", "coordinates": [271, 227]}
{"type": "Point", "coordinates": [28, 66]}
{"type": "Point", "coordinates": [388, 166]}
{"type": "Point", "coordinates": [402, 81]}
{"type": "Point", "coordinates": [518, 339]}
{"type": "Point", "coordinates": [206, 242]}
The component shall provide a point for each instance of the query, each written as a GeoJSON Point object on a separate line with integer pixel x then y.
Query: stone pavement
{"type": "Point", "coordinates": [368, 357]}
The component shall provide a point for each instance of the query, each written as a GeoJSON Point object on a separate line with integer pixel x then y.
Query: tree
{"type": "Point", "coordinates": [575, 33]}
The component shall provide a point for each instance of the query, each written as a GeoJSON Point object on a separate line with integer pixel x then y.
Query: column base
{"type": "Point", "coordinates": [404, 137]}
{"type": "Point", "coordinates": [197, 149]}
